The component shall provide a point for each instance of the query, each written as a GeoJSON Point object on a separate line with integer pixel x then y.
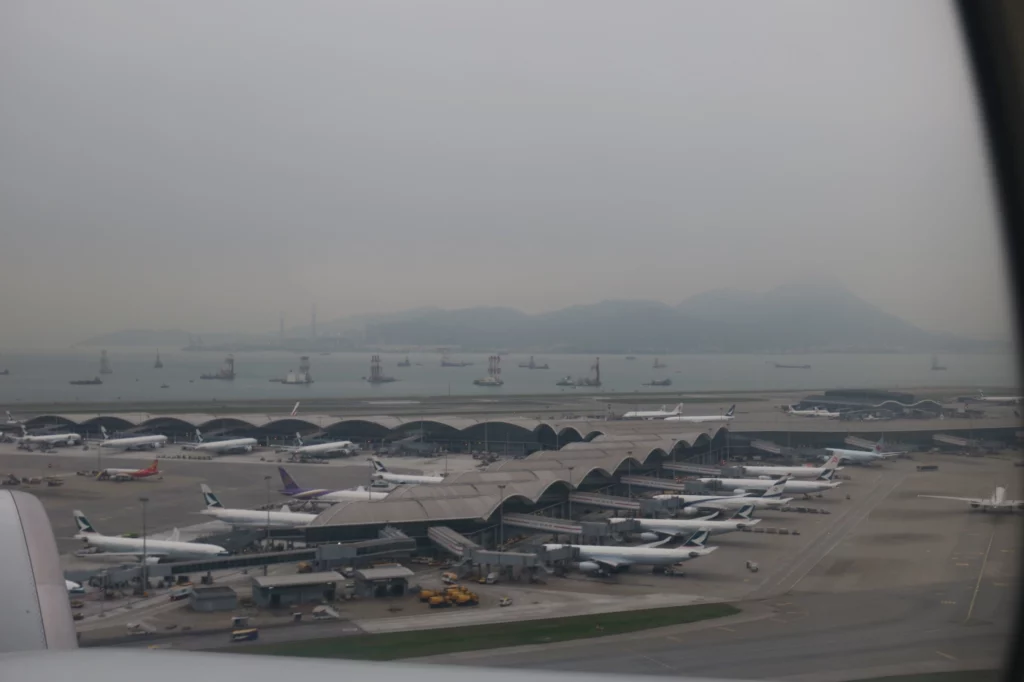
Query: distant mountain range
{"type": "Point", "coordinates": [792, 318]}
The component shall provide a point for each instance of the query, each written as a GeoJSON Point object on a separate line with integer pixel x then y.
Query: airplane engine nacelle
{"type": "Point", "coordinates": [764, 478]}
{"type": "Point", "coordinates": [694, 554]}
{"type": "Point", "coordinates": [648, 537]}
{"type": "Point", "coordinates": [689, 511]}
{"type": "Point", "coordinates": [739, 491]}
{"type": "Point", "coordinates": [976, 505]}
{"type": "Point", "coordinates": [590, 567]}
{"type": "Point", "coordinates": [248, 448]}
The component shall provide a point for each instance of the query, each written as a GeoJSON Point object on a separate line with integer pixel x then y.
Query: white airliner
{"type": "Point", "coordinates": [801, 487]}
{"type": "Point", "coordinates": [132, 547]}
{"type": "Point", "coordinates": [11, 421]}
{"type": "Point", "coordinates": [253, 518]}
{"type": "Point", "coordinates": [772, 499]}
{"type": "Point", "coordinates": [681, 527]}
{"type": "Point", "coordinates": [223, 447]}
{"type": "Point", "coordinates": [794, 472]}
{"type": "Point", "coordinates": [611, 559]}
{"type": "Point", "coordinates": [813, 412]}
{"type": "Point", "coordinates": [345, 447]}
{"type": "Point", "coordinates": [49, 439]}
{"type": "Point", "coordinates": [133, 442]}
{"type": "Point", "coordinates": [381, 473]}
{"type": "Point", "coordinates": [654, 414]}
{"type": "Point", "coordinates": [998, 501]}
{"type": "Point", "coordinates": [701, 418]}
{"type": "Point", "coordinates": [877, 453]}
{"type": "Point", "coordinates": [1004, 399]}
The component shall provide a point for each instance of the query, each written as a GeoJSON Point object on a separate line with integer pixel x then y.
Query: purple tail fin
{"type": "Point", "coordinates": [290, 486]}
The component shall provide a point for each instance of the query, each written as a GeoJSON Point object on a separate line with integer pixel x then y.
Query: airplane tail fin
{"type": "Point", "coordinates": [880, 445]}
{"type": "Point", "coordinates": [777, 487]}
{"type": "Point", "coordinates": [199, 436]}
{"type": "Point", "coordinates": [103, 432]}
{"type": "Point", "coordinates": [378, 466]}
{"type": "Point", "coordinates": [830, 468]}
{"type": "Point", "coordinates": [295, 410]}
{"type": "Point", "coordinates": [732, 410]}
{"type": "Point", "coordinates": [290, 486]}
{"type": "Point", "coordinates": [744, 512]}
{"type": "Point", "coordinates": [1000, 495]}
{"type": "Point", "coordinates": [298, 438]}
{"type": "Point", "coordinates": [9, 417]}
{"type": "Point", "coordinates": [175, 536]}
{"type": "Point", "coordinates": [211, 500]}
{"type": "Point", "coordinates": [697, 539]}
{"type": "Point", "coordinates": [83, 523]}
{"type": "Point", "coordinates": [153, 467]}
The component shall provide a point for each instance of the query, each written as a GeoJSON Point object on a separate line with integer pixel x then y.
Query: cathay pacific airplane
{"type": "Point", "coordinates": [48, 439]}
{"type": "Point", "coordinates": [381, 473]}
{"type": "Point", "coordinates": [795, 472]}
{"type": "Point", "coordinates": [612, 559]}
{"type": "Point", "coordinates": [232, 446]}
{"type": "Point", "coordinates": [681, 527]}
{"type": "Point", "coordinates": [342, 447]}
{"type": "Point", "coordinates": [133, 442]}
{"type": "Point", "coordinates": [133, 547]}
{"type": "Point", "coordinates": [252, 518]}
{"type": "Point", "coordinates": [654, 414]}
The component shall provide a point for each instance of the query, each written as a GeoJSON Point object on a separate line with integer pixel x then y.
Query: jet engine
{"type": "Point", "coordinates": [590, 567]}
{"type": "Point", "coordinates": [649, 537]}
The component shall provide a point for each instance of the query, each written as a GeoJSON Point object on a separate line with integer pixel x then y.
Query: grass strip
{"type": "Point", "coordinates": [394, 645]}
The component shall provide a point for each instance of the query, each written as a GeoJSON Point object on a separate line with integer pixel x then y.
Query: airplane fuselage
{"type": "Point", "coordinates": [136, 443]}
{"type": "Point", "coordinates": [777, 471]}
{"type": "Point", "coordinates": [253, 518]}
{"type": "Point", "coordinates": [689, 526]}
{"type": "Point", "coordinates": [644, 556]}
{"type": "Point", "coordinates": [233, 446]}
{"type": "Point", "coordinates": [803, 487]}
{"type": "Point", "coordinates": [728, 502]}
{"type": "Point", "coordinates": [162, 548]}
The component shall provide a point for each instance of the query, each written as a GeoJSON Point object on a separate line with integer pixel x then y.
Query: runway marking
{"type": "Point", "coordinates": [675, 639]}
{"type": "Point", "coordinates": [962, 564]}
{"type": "Point", "coordinates": [654, 660]}
{"type": "Point", "coordinates": [981, 574]}
{"type": "Point", "coordinates": [946, 601]}
{"type": "Point", "coordinates": [999, 584]}
{"type": "Point", "coordinates": [722, 627]}
{"type": "Point", "coordinates": [784, 603]}
{"type": "Point", "coordinates": [945, 655]}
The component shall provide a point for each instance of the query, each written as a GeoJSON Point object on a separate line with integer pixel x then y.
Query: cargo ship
{"type": "Point", "coordinates": [86, 382]}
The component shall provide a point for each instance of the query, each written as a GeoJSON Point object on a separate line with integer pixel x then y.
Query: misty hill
{"type": "Point", "coordinates": [787, 319]}
{"type": "Point", "coordinates": [168, 338]}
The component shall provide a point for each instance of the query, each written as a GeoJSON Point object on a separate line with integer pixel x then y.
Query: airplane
{"type": "Point", "coordinates": [344, 447]}
{"type": "Point", "coordinates": [654, 414]}
{"type": "Point", "coordinates": [293, 489]}
{"type": "Point", "coordinates": [113, 545]}
{"type": "Point", "coordinates": [999, 399]}
{"type": "Point", "coordinates": [802, 487]}
{"type": "Point", "coordinates": [223, 447]}
{"type": "Point", "coordinates": [253, 518]}
{"type": "Point", "coordinates": [678, 527]}
{"type": "Point", "coordinates": [701, 418]}
{"type": "Point", "coordinates": [772, 499]}
{"type": "Point", "coordinates": [48, 439]}
{"type": "Point", "coordinates": [132, 443]}
{"type": "Point", "coordinates": [998, 501]}
{"type": "Point", "coordinates": [381, 473]}
{"type": "Point", "coordinates": [604, 559]}
{"type": "Point", "coordinates": [11, 421]}
{"type": "Point", "coordinates": [73, 588]}
{"type": "Point", "coordinates": [813, 412]}
{"type": "Point", "coordinates": [128, 474]}
{"type": "Point", "coordinates": [876, 453]}
{"type": "Point", "coordinates": [795, 472]}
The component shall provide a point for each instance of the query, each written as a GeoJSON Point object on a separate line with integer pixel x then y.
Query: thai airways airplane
{"type": "Point", "coordinates": [49, 439]}
{"type": "Point", "coordinates": [293, 489]}
{"type": "Point", "coordinates": [877, 453]}
{"type": "Point", "coordinates": [701, 418]}
{"type": "Point", "coordinates": [813, 412]}
{"type": "Point", "coordinates": [381, 473]}
{"type": "Point", "coordinates": [680, 527]}
{"type": "Point", "coordinates": [612, 559]}
{"type": "Point", "coordinates": [794, 472]}
{"type": "Point", "coordinates": [132, 547]}
{"type": "Point", "coordinates": [772, 499]}
{"type": "Point", "coordinates": [998, 501]}
{"type": "Point", "coordinates": [133, 442]}
{"type": "Point", "coordinates": [344, 447]}
{"type": "Point", "coordinates": [1003, 399]}
{"type": "Point", "coordinates": [654, 414]}
{"type": "Point", "coordinates": [128, 474]}
{"type": "Point", "coordinates": [223, 447]}
{"type": "Point", "coordinates": [252, 518]}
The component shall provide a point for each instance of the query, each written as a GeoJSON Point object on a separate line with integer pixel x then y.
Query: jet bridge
{"type": "Point", "coordinates": [656, 483]}
{"type": "Point", "coordinates": [544, 523]}
{"type": "Point", "coordinates": [692, 469]}
{"type": "Point", "coordinates": [605, 501]}
{"type": "Point", "coordinates": [859, 442]}
{"type": "Point", "coordinates": [766, 446]}
{"type": "Point", "coordinates": [451, 541]}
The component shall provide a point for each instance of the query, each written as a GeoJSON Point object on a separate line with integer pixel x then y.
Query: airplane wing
{"type": "Point", "coordinates": [611, 564]}
{"type": "Point", "coordinates": [971, 500]}
{"type": "Point", "coordinates": [129, 556]}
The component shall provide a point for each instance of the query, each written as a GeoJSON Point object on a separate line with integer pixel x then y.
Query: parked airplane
{"type": "Point", "coordinates": [133, 547]}
{"type": "Point", "coordinates": [998, 501]}
{"type": "Point", "coordinates": [293, 489]}
{"type": "Point", "coordinates": [128, 474]}
{"type": "Point", "coordinates": [701, 418]}
{"type": "Point", "coordinates": [612, 559]}
{"type": "Point", "coordinates": [73, 588]}
{"type": "Point", "coordinates": [794, 472]}
{"type": "Point", "coordinates": [381, 473]}
{"type": "Point", "coordinates": [1003, 399]}
{"type": "Point", "coordinates": [813, 412]}
{"type": "Point", "coordinates": [342, 447]}
{"type": "Point", "coordinates": [680, 527]}
{"type": "Point", "coordinates": [877, 453]}
{"type": "Point", "coordinates": [133, 442]}
{"type": "Point", "coordinates": [231, 446]}
{"type": "Point", "coordinates": [11, 421]}
{"type": "Point", "coordinates": [654, 414]}
{"type": "Point", "coordinates": [253, 518]}
{"type": "Point", "coordinates": [48, 439]}
{"type": "Point", "coordinates": [772, 499]}
{"type": "Point", "coordinates": [745, 484]}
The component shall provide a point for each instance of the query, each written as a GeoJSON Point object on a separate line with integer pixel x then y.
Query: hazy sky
{"type": "Point", "coordinates": [205, 165]}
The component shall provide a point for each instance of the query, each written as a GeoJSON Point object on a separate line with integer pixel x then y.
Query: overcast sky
{"type": "Point", "coordinates": [205, 165]}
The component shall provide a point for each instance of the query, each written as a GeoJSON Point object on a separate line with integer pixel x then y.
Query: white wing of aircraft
{"type": "Point", "coordinates": [997, 501]}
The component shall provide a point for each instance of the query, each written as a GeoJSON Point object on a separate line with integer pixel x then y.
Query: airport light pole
{"type": "Point", "coordinates": [266, 479]}
{"type": "Point", "coordinates": [501, 512]}
{"type": "Point", "coordinates": [145, 556]}
{"type": "Point", "coordinates": [570, 492]}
